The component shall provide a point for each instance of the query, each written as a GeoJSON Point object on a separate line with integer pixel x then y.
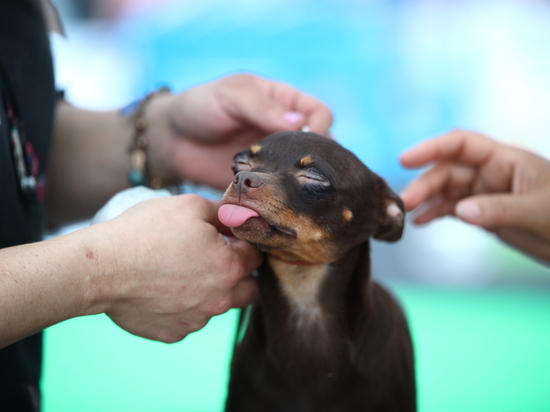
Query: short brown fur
{"type": "Point", "coordinates": [322, 336]}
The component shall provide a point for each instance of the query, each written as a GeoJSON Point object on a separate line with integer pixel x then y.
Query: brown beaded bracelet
{"type": "Point", "coordinates": [139, 167]}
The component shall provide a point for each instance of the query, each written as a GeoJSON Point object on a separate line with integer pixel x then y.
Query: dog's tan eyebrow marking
{"type": "Point", "coordinates": [255, 149]}
{"type": "Point", "coordinates": [348, 214]}
{"type": "Point", "coordinates": [306, 161]}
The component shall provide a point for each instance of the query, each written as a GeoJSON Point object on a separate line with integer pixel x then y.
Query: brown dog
{"type": "Point", "coordinates": [322, 336]}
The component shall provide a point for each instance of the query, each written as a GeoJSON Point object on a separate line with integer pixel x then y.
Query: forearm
{"type": "Point", "coordinates": [160, 270]}
{"type": "Point", "coordinates": [45, 283]}
{"type": "Point", "coordinates": [88, 163]}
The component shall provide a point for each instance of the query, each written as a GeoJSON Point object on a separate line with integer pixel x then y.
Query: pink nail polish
{"type": "Point", "coordinates": [293, 117]}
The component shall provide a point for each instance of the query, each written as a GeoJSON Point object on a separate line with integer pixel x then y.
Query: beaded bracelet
{"type": "Point", "coordinates": [139, 167]}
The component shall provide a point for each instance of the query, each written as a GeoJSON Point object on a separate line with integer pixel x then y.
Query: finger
{"type": "Point", "coordinates": [245, 292]}
{"type": "Point", "coordinates": [433, 209]}
{"type": "Point", "coordinates": [206, 210]}
{"type": "Point", "coordinates": [224, 230]}
{"type": "Point", "coordinates": [248, 256]}
{"type": "Point", "coordinates": [256, 107]}
{"type": "Point", "coordinates": [319, 119]}
{"type": "Point", "coordinates": [317, 115]}
{"type": "Point", "coordinates": [494, 211]}
{"type": "Point", "coordinates": [240, 255]}
{"type": "Point", "coordinates": [273, 106]}
{"type": "Point", "coordinates": [526, 242]}
{"type": "Point", "coordinates": [191, 322]}
{"type": "Point", "coordinates": [462, 146]}
{"type": "Point", "coordinates": [440, 179]}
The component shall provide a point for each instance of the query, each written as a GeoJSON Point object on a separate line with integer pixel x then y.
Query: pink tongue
{"type": "Point", "coordinates": [234, 216]}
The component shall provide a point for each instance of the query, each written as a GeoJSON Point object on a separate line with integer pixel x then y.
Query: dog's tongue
{"type": "Point", "coordinates": [234, 216]}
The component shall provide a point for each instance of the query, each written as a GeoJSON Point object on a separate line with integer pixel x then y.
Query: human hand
{"type": "Point", "coordinates": [503, 189]}
{"type": "Point", "coordinates": [199, 131]}
{"type": "Point", "coordinates": [169, 270]}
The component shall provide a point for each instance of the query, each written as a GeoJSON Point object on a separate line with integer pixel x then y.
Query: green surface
{"type": "Point", "coordinates": [476, 350]}
{"type": "Point", "coordinates": [484, 350]}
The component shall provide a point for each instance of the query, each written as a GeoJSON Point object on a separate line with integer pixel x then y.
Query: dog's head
{"type": "Point", "coordinates": [303, 197]}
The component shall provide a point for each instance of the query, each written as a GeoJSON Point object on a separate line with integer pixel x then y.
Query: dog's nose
{"type": "Point", "coordinates": [243, 181]}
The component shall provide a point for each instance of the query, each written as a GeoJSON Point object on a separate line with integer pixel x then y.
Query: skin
{"type": "Point", "coordinates": [504, 189]}
{"type": "Point", "coordinates": [163, 268]}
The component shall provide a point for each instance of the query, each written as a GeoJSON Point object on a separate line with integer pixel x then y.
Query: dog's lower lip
{"type": "Point", "coordinates": [283, 230]}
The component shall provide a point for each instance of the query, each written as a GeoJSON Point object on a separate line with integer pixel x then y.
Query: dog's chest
{"type": "Point", "coordinates": [314, 339]}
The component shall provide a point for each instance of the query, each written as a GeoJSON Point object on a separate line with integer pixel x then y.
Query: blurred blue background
{"type": "Point", "coordinates": [394, 72]}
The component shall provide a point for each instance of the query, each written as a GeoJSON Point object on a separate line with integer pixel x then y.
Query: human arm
{"type": "Point", "coordinates": [192, 135]}
{"type": "Point", "coordinates": [160, 270]}
{"type": "Point", "coordinates": [168, 260]}
{"type": "Point", "coordinates": [501, 188]}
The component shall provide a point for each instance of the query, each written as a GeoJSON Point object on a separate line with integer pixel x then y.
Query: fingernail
{"type": "Point", "coordinates": [468, 210]}
{"type": "Point", "coordinates": [407, 198]}
{"type": "Point", "coordinates": [293, 118]}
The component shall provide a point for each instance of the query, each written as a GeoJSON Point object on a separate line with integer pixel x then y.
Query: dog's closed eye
{"type": "Point", "coordinates": [312, 176]}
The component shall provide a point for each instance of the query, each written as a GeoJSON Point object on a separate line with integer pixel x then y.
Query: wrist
{"type": "Point", "coordinates": [95, 267]}
{"type": "Point", "coordinates": [150, 147]}
{"type": "Point", "coordinates": [161, 139]}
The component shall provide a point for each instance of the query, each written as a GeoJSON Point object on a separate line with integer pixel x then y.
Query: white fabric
{"type": "Point", "coordinates": [125, 200]}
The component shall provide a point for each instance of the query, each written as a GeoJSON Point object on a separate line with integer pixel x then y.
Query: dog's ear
{"type": "Point", "coordinates": [391, 213]}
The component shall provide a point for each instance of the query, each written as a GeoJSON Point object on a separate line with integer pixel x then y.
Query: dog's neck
{"type": "Point", "coordinates": [301, 286]}
{"type": "Point", "coordinates": [311, 309]}
{"type": "Point", "coordinates": [311, 292]}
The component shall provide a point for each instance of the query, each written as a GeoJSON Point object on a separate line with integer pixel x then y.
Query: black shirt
{"type": "Point", "coordinates": [27, 77]}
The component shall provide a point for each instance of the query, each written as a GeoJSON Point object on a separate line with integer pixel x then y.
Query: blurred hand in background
{"type": "Point", "coordinates": [504, 189]}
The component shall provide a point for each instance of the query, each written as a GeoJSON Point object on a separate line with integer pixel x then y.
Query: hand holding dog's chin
{"type": "Point", "coordinates": [504, 189]}
{"type": "Point", "coordinates": [195, 134]}
{"type": "Point", "coordinates": [165, 270]}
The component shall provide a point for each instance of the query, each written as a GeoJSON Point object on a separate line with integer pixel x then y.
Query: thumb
{"type": "Point", "coordinates": [245, 292]}
{"type": "Point", "coordinates": [496, 211]}
{"type": "Point", "coordinates": [266, 114]}
{"type": "Point", "coordinates": [248, 257]}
